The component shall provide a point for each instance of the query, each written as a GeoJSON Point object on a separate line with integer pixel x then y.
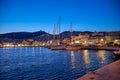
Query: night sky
{"type": "Point", "coordinates": [35, 15]}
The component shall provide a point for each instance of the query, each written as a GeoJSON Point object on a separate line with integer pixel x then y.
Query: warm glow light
{"type": "Point", "coordinates": [101, 40]}
{"type": "Point", "coordinates": [19, 45]}
{"type": "Point", "coordinates": [36, 45]}
{"type": "Point", "coordinates": [72, 59]}
{"type": "Point", "coordinates": [50, 42]}
{"type": "Point", "coordinates": [101, 54]}
{"type": "Point", "coordinates": [8, 45]}
{"type": "Point", "coordinates": [71, 42]}
{"type": "Point", "coordinates": [85, 42]}
{"type": "Point", "coordinates": [77, 42]}
{"type": "Point", "coordinates": [43, 44]}
{"type": "Point", "coordinates": [86, 57]}
{"type": "Point", "coordinates": [116, 40]}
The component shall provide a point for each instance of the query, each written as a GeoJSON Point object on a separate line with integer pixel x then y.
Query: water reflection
{"type": "Point", "coordinates": [48, 64]}
{"type": "Point", "coordinates": [72, 59]}
{"type": "Point", "coordinates": [40, 50]}
{"type": "Point", "coordinates": [102, 55]}
{"type": "Point", "coordinates": [26, 51]}
{"type": "Point", "coordinates": [33, 51]}
{"type": "Point", "coordinates": [86, 57]}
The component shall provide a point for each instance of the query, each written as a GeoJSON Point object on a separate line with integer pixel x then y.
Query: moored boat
{"type": "Point", "coordinates": [58, 47]}
{"type": "Point", "coordinates": [72, 48]}
{"type": "Point", "coordinates": [117, 53]}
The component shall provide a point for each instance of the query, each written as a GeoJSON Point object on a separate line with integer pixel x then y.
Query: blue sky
{"type": "Point", "coordinates": [35, 15]}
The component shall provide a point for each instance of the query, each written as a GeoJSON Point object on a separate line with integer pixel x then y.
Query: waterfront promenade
{"type": "Point", "coordinates": [70, 47]}
{"type": "Point", "coordinates": [108, 72]}
{"type": "Point", "coordinates": [101, 48]}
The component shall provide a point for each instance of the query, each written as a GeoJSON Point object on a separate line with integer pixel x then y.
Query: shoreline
{"type": "Point", "coordinates": [82, 48]}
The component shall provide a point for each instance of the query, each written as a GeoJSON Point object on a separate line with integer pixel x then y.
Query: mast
{"type": "Point", "coordinates": [59, 27]}
{"type": "Point", "coordinates": [71, 31]}
{"type": "Point", "coordinates": [54, 32]}
{"type": "Point", "coordinates": [57, 30]}
{"type": "Point", "coordinates": [48, 35]}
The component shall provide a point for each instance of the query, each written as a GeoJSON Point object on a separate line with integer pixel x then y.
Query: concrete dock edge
{"type": "Point", "coordinates": [108, 72]}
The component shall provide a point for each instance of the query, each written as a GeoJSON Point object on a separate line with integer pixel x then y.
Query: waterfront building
{"type": "Point", "coordinates": [25, 43]}
{"type": "Point", "coordinates": [66, 41]}
{"type": "Point", "coordinates": [36, 43]}
{"type": "Point", "coordinates": [8, 44]}
{"type": "Point", "coordinates": [1, 45]}
{"type": "Point", "coordinates": [113, 38]}
{"type": "Point", "coordinates": [80, 39]}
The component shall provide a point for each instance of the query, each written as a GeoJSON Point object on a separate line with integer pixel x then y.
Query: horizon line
{"type": "Point", "coordinates": [60, 32]}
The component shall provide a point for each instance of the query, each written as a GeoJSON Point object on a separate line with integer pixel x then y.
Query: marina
{"type": "Point", "coordinates": [60, 40]}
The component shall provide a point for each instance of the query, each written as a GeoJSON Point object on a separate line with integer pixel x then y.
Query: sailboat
{"type": "Point", "coordinates": [56, 43]}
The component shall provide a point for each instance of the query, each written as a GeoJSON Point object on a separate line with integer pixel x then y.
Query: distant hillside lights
{"type": "Point", "coordinates": [22, 44]}
{"type": "Point", "coordinates": [7, 44]}
{"type": "Point", "coordinates": [95, 39]}
{"type": "Point", "coordinates": [83, 39]}
{"type": "Point", "coordinates": [31, 42]}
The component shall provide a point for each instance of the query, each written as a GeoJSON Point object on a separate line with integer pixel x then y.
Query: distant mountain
{"type": "Point", "coordinates": [39, 35]}
{"type": "Point", "coordinates": [22, 35]}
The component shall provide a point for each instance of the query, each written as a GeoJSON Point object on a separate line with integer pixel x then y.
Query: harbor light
{"type": "Point", "coordinates": [50, 42]}
{"type": "Point", "coordinates": [85, 42]}
{"type": "Point", "coordinates": [43, 44]}
{"type": "Point", "coordinates": [19, 45]}
{"type": "Point", "coordinates": [101, 40]}
{"type": "Point", "coordinates": [77, 42]}
{"type": "Point", "coordinates": [7, 45]}
{"type": "Point", "coordinates": [116, 41]}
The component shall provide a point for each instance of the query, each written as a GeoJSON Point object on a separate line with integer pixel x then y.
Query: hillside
{"type": "Point", "coordinates": [39, 35]}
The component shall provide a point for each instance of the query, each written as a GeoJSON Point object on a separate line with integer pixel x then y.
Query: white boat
{"type": "Point", "coordinates": [117, 53]}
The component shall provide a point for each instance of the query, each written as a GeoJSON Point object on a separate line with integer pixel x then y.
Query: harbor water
{"type": "Point", "coordinates": [39, 63]}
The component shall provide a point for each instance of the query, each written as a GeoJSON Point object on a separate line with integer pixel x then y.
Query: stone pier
{"type": "Point", "coordinates": [108, 72]}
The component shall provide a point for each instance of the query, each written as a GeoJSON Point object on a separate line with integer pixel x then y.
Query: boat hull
{"type": "Point", "coordinates": [72, 48]}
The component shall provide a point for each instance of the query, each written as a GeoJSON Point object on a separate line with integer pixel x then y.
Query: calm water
{"type": "Point", "coordinates": [38, 63]}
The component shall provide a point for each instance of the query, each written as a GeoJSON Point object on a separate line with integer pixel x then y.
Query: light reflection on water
{"type": "Point", "coordinates": [102, 55]}
{"type": "Point", "coordinates": [86, 58]}
{"type": "Point", "coordinates": [45, 64]}
{"type": "Point", "coordinates": [72, 59]}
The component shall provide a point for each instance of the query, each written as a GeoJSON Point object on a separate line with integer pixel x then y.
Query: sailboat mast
{"type": "Point", "coordinates": [71, 30]}
{"type": "Point", "coordinates": [59, 26]}
{"type": "Point", "coordinates": [54, 32]}
{"type": "Point", "coordinates": [48, 35]}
